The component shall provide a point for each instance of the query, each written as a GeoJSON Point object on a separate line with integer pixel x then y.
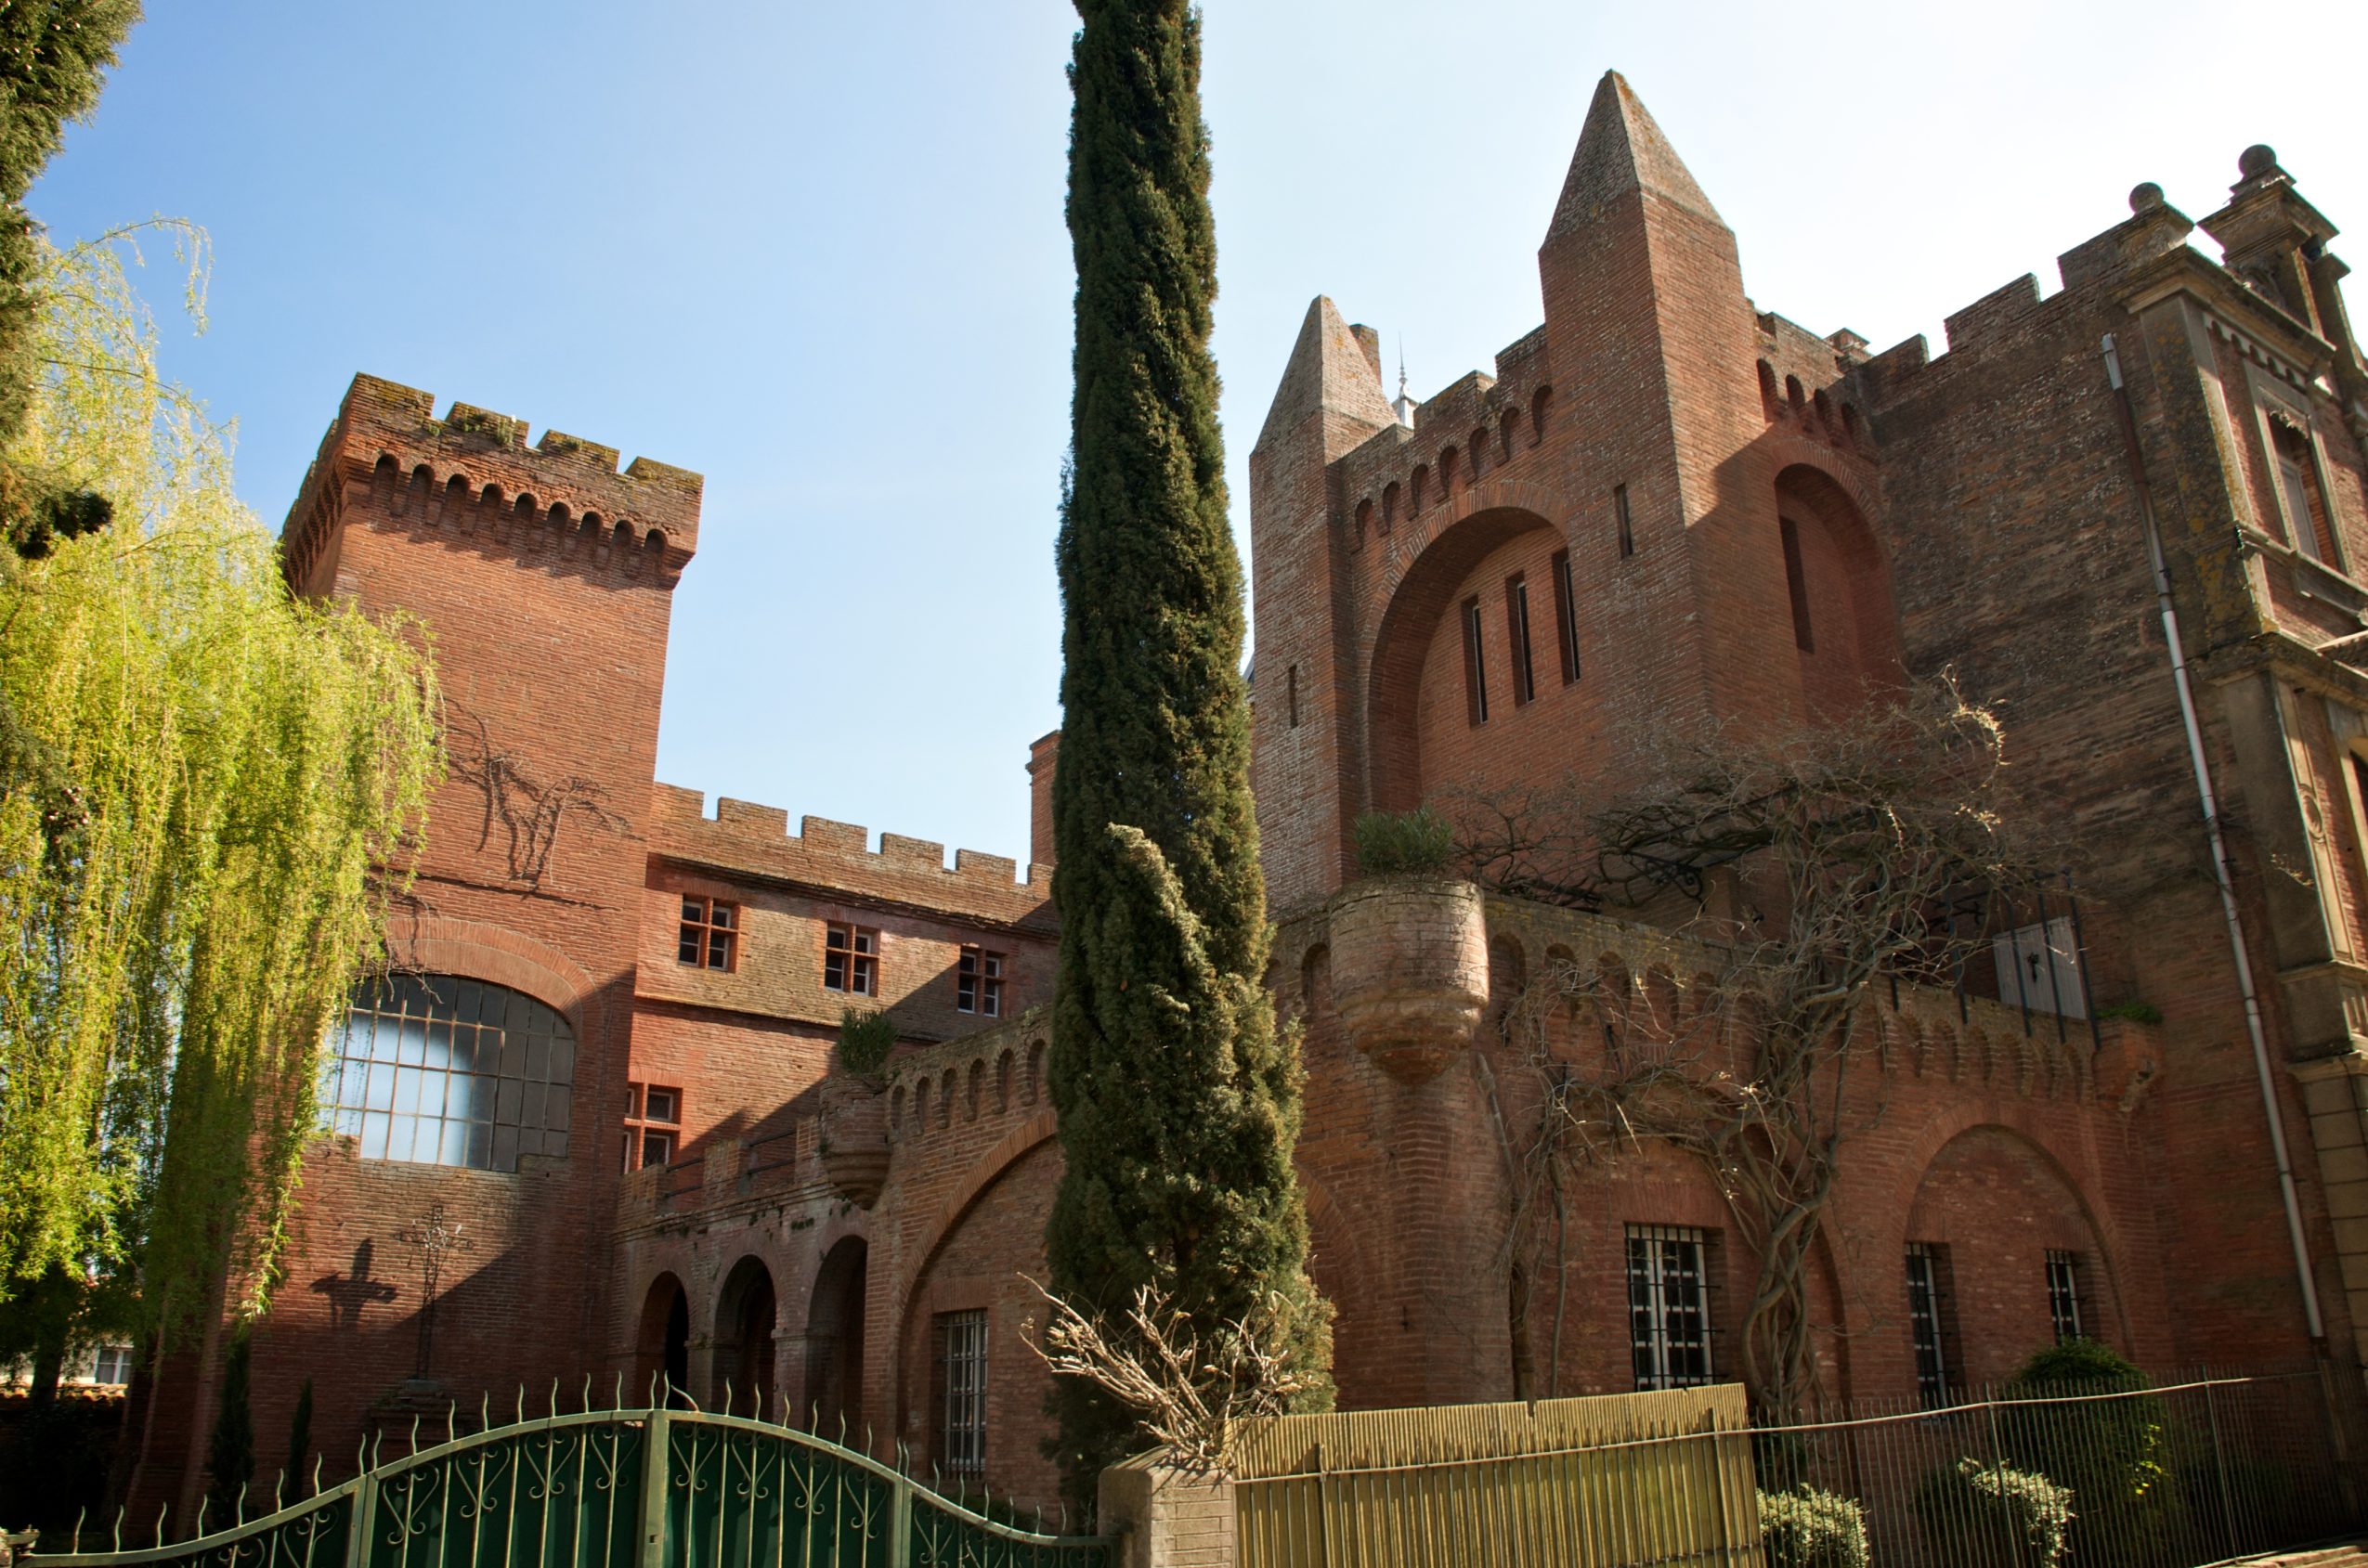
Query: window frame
{"type": "Point", "coordinates": [2063, 1276]}
{"type": "Point", "coordinates": [496, 1086]}
{"type": "Point", "coordinates": [984, 983]}
{"type": "Point", "coordinates": [1670, 1318]}
{"type": "Point", "coordinates": [1476, 674]}
{"type": "Point", "coordinates": [961, 1378]}
{"type": "Point", "coordinates": [642, 1125]}
{"type": "Point", "coordinates": [1516, 632]}
{"type": "Point", "coordinates": [1931, 1324]}
{"type": "Point", "coordinates": [2274, 402]}
{"type": "Point", "coordinates": [701, 928]}
{"type": "Point", "coordinates": [853, 961]}
{"type": "Point", "coordinates": [1566, 616]}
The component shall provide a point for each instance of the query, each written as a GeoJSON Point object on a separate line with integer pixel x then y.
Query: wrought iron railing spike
{"type": "Point", "coordinates": [842, 1427]}
{"type": "Point", "coordinates": [588, 1393]}
{"type": "Point", "coordinates": [813, 1418]}
{"type": "Point", "coordinates": [279, 1490]}
{"type": "Point", "coordinates": [316, 1473]}
{"type": "Point", "coordinates": [415, 1432]}
{"type": "Point", "coordinates": [867, 1440]}
{"type": "Point", "coordinates": [485, 1409]}
{"type": "Point", "coordinates": [77, 1543]}
{"type": "Point", "coordinates": [202, 1503]}
{"type": "Point", "coordinates": [727, 1393]}
{"type": "Point", "coordinates": [121, 1509]}
{"type": "Point", "coordinates": [652, 1389]}
{"type": "Point", "coordinates": [159, 1523]}
{"type": "Point", "coordinates": [239, 1506]}
{"type": "Point", "coordinates": [521, 1406]}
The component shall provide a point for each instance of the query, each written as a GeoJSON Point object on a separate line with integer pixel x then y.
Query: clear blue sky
{"type": "Point", "coordinates": [816, 252]}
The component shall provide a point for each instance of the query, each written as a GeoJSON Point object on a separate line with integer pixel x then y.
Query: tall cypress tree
{"type": "Point", "coordinates": [1179, 1099]}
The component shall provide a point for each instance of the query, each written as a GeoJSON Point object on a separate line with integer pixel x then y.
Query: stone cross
{"type": "Point", "coordinates": [434, 1235]}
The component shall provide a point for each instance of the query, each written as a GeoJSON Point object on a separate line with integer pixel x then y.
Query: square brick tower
{"type": "Point", "coordinates": [482, 1082]}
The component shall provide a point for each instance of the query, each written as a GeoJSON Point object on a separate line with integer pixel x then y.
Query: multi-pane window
{"type": "Point", "coordinates": [440, 1071]}
{"type": "Point", "coordinates": [2064, 1294]}
{"type": "Point", "coordinates": [1566, 616]}
{"type": "Point", "coordinates": [962, 1365]}
{"type": "Point", "coordinates": [1516, 626]}
{"type": "Point", "coordinates": [1475, 675]}
{"type": "Point", "coordinates": [112, 1365]}
{"type": "Point", "coordinates": [1928, 1327]}
{"type": "Point", "coordinates": [653, 1124]}
{"type": "Point", "coordinates": [851, 959]}
{"type": "Point", "coordinates": [1796, 583]}
{"type": "Point", "coordinates": [710, 933]}
{"type": "Point", "coordinates": [2299, 494]}
{"type": "Point", "coordinates": [1669, 1314]}
{"type": "Point", "coordinates": [978, 982]}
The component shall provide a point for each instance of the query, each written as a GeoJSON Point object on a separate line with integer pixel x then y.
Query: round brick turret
{"type": "Point", "coordinates": [1410, 965]}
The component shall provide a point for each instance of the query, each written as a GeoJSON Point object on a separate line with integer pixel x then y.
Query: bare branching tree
{"type": "Point", "coordinates": [531, 810]}
{"type": "Point", "coordinates": [1863, 851]}
{"type": "Point", "coordinates": [1192, 1397]}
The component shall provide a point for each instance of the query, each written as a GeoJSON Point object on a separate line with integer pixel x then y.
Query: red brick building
{"type": "Point", "coordinates": [610, 1053]}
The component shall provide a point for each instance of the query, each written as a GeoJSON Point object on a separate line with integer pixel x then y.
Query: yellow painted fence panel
{"type": "Point", "coordinates": [1620, 1481]}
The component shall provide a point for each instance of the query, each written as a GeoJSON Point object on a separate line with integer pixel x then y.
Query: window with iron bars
{"type": "Point", "coordinates": [1929, 1329]}
{"type": "Point", "coordinates": [2064, 1294]}
{"type": "Point", "coordinates": [961, 1363]}
{"type": "Point", "coordinates": [1669, 1314]}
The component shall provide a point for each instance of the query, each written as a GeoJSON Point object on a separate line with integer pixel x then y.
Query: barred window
{"type": "Point", "coordinates": [2064, 1294]}
{"type": "Point", "coordinates": [439, 1070]}
{"type": "Point", "coordinates": [978, 982]}
{"type": "Point", "coordinates": [710, 933]}
{"type": "Point", "coordinates": [1668, 1306]}
{"type": "Point", "coordinates": [1929, 1329]}
{"type": "Point", "coordinates": [851, 959]}
{"type": "Point", "coordinates": [962, 1359]}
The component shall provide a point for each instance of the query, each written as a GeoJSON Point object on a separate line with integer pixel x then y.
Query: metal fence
{"type": "Point", "coordinates": [2159, 1477]}
{"type": "Point", "coordinates": [653, 1488]}
{"type": "Point", "coordinates": [1661, 1479]}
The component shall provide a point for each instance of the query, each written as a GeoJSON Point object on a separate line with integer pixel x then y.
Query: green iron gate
{"type": "Point", "coordinates": [621, 1489]}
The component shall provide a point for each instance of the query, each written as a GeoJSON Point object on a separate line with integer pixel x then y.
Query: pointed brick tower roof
{"type": "Point", "coordinates": [1328, 370]}
{"type": "Point", "coordinates": [1621, 150]}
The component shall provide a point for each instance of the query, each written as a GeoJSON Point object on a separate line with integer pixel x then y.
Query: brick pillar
{"type": "Point", "coordinates": [1167, 1518]}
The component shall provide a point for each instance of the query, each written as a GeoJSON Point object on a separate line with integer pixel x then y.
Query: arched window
{"type": "Point", "coordinates": [439, 1070]}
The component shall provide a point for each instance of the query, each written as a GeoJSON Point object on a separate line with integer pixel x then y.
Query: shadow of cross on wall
{"type": "Point", "coordinates": [348, 1293]}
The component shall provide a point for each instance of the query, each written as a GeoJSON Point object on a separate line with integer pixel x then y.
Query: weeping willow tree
{"type": "Point", "coordinates": [208, 790]}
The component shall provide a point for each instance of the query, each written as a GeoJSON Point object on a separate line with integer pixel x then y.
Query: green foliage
{"type": "Point", "coordinates": [1416, 843]}
{"type": "Point", "coordinates": [1177, 1098]}
{"type": "Point", "coordinates": [229, 1452]}
{"type": "Point", "coordinates": [299, 1473]}
{"type": "Point", "coordinates": [864, 1040]}
{"type": "Point", "coordinates": [51, 57]}
{"type": "Point", "coordinates": [209, 795]}
{"type": "Point", "coordinates": [1994, 1516]}
{"type": "Point", "coordinates": [2109, 1451]}
{"type": "Point", "coordinates": [2136, 1012]}
{"type": "Point", "coordinates": [1813, 1528]}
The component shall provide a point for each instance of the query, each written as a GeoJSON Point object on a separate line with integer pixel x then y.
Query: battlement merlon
{"type": "Point", "coordinates": [832, 858]}
{"type": "Point", "coordinates": [382, 424]}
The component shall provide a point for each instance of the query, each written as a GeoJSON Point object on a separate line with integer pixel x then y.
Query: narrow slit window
{"type": "Point", "coordinates": [1668, 1313]}
{"type": "Point", "coordinates": [2305, 512]}
{"type": "Point", "coordinates": [1475, 675]}
{"type": "Point", "coordinates": [1291, 693]}
{"type": "Point", "coordinates": [1627, 525]}
{"type": "Point", "coordinates": [962, 1364]}
{"type": "Point", "coordinates": [2064, 1294]}
{"type": "Point", "coordinates": [1928, 1327]}
{"type": "Point", "coordinates": [1566, 616]}
{"type": "Point", "coordinates": [1517, 626]}
{"type": "Point", "coordinates": [1796, 583]}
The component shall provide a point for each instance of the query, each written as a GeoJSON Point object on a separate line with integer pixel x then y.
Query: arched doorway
{"type": "Point", "coordinates": [835, 1338]}
{"type": "Point", "coordinates": [662, 1342]}
{"type": "Point", "coordinates": [742, 1382]}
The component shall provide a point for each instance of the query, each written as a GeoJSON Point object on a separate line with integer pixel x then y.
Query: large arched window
{"type": "Point", "coordinates": [439, 1070]}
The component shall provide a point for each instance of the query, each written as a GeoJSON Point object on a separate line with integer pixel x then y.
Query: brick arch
{"type": "Point", "coordinates": [1943, 1132]}
{"type": "Point", "coordinates": [1830, 535]}
{"type": "Point", "coordinates": [1021, 1141]}
{"type": "Point", "coordinates": [1417, 584]}
{"type": "Point", "coordinates": [473, 950]}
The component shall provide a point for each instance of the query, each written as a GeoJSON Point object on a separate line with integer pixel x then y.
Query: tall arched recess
{"type": "Point", "coordinates": [1844, 628]}
{"type": "Point", "coordinates": [835, 1338]}
{"type": "Point", "coordinates": [1423, 608]}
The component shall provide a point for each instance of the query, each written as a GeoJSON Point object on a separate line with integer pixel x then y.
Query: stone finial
{"type": "Point", "coordinates": [2146, 198]}
{"type": "Point", "coordinates": [2257, 161]}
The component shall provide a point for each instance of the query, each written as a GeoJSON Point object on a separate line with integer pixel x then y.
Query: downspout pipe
{"type": "Point", "coordinates": [2220, 875]}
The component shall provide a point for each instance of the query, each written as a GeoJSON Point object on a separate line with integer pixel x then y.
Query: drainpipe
{"type": "Point", "coordinates": [2210, 802]}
